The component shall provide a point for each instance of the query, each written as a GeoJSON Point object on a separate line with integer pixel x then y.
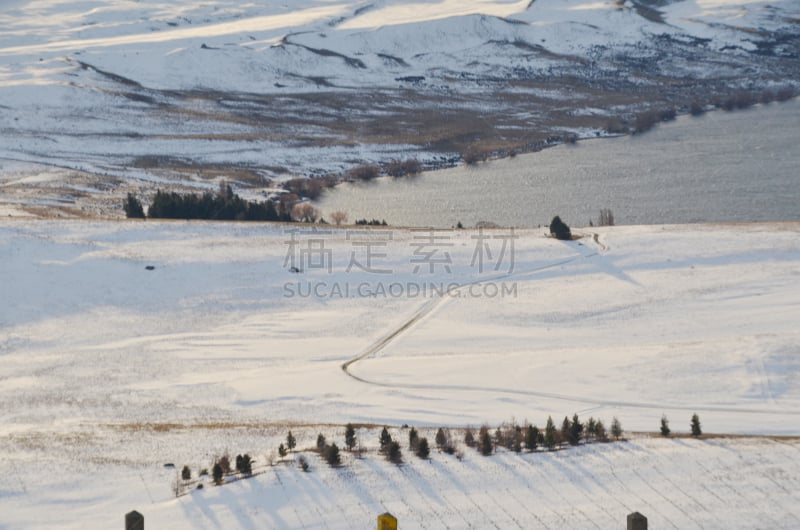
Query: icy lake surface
{"type": "Point", "coordinates": [722, 166]}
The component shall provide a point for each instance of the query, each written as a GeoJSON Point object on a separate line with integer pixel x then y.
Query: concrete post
{"type": "Point", "coordinates": [637, 521]}
{"type": "Point", "coordinates": [134, 521]}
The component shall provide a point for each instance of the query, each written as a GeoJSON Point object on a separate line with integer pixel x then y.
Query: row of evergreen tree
{"type": "Point", "coordinates": [224, 206]}
{"type": "Point", "coordinates": [511, 436]}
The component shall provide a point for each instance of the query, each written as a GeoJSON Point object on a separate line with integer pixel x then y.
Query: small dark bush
{"type": "Point", "coordinates": [473, 154]}
{"type": "Point", "coordinates": [302, 462]}
{"type": "Point", "coordinates": [559, 229]}
{"type": "Point", "coordinates": [667, 114]}
{"type": "Point", "coordinates": [696, 109]}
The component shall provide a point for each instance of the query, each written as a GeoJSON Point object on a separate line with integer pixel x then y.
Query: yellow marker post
{"type": "Point", "coordinates": [387, 521]}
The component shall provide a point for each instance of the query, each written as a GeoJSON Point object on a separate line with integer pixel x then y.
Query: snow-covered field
{"type": "Point", "coordinates": [110, 370]}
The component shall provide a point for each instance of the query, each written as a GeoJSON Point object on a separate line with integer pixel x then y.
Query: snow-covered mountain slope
{"type": "Point", "coordinates": [152, 90]}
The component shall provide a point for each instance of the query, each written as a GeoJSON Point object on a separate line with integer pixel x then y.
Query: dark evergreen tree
{"type": "Point", "coordinates": [664, 425]}
{"type": "Point", "coordinates": [350, 436]}
{"type": "Point", "coordinates": [225, 464]}
{"type": "Point", "coordinates": [531, 437]}
{"type": "Point", "coordinates": [291, 443]}
{"type": "Point", "coordinates": [575, 430]}
{"type": "Point", "coordinates": [321, 443]}
{"type": "Point", "coordinates": [565, 430]}
{"type": "Point", "coordinates": [186, 473]}
{"type": "Point", "coordinates": [550, 434]}
{"type": "Point", "coordinates": [247, 465]}
{"type": "Point", "coordinates": [413, 440]}
{"type": "Point", "coordinates": [616, 428]}
{"type": "Point", "coordinates": [441, 439]}
{"type": "Point", "coordinates": [332, 456]}
{"type": "Point", "coordinates": [216, 474]}
{"type": "Point", "coordinates": [423, 450]}
{"type": "Point", "coordinates": [590, 429]}
{"type": "Point", "coordinates": [133, 208]}
{"type": "Point", "coordinates": [696, 430]}
{"type": "Point", "coordinates": [600, 433]}
{"type": "Point", "coordinates": [282, 451]}
{"type": "Point", "coordinates": [393, 453]}
{"type": "Point", "coordinates": [485, 441]}
{"type": "Point", "coordinates": [385, 439]}
{"type": "Point", "coordinates": [469, 437]}
{"type": "Point", "coordinates": [239, 463]}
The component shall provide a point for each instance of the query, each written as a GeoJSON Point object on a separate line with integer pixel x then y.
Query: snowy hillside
{"type": "Point", "coordinates": [110, 370]}
{"type": "Point", "coordinates": [137, 92]}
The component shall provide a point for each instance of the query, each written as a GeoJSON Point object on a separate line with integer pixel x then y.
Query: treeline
{"type": "Point", "coordinates": [224, 206]}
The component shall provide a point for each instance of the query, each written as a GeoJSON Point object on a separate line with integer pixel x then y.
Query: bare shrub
{"type": "Point", "coordinates": [616, 126]}
{"type": "Point", "coordinates": [606, 217]}
{"type": "Point", "coordinates": [338, 217]}
{"type": "Point", "coordinates": [740, 100]}
{"type": "Point", "coordinates": [364, 172]}
{"type": "Point", "coordinates": [473, 154]}
{"type": "Point", "coordinates": [305, 212]}
{"type": "Point", "coordinates": [645, 121]}
{"type": "Point", "coordinates": [409, 167]}
{"type": "Point", "coordinates": [305, 187]}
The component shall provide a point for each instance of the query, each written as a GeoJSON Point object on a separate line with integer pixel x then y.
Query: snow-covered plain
{"type": "Point", "coordinates": [110, 370]}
